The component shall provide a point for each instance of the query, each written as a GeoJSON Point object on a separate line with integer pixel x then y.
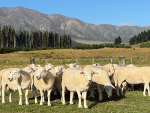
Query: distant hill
{"type": "Point", "coordinates": [21, 18]}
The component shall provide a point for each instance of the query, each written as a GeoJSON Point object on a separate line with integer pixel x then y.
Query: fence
{"type": "Point", "coordinates": [102, 61]}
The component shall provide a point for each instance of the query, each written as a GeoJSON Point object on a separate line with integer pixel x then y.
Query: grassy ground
{"type": "Point", "coordinates": [133, 101]}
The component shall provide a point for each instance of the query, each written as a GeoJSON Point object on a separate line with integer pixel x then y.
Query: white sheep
{"type": "Point", "coordinates": [100, 80]}
{"type": "Point", "coordinates": [71, 65]}
{"type": "Point", "coordinates": [76, 80]}
{"type": "Point", "coordinates": [43, 80]}
{"type": "Point", "coordinates": [16, 79]}
{"type": "Point", "coordinates": [124, 84]}
{"type": "Point", "coordinates": [57, 72]}
{"type": "Point", "coordinates": [132, 75]}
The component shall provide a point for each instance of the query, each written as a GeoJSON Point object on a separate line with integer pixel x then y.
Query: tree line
{"type": "Point", "coordinates": [32, 39]}
{"type": "Point", "coordinates": [141, 37]}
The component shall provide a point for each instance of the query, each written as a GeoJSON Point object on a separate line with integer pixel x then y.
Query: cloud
{"type": "Point", "coordinates": [127, 24]}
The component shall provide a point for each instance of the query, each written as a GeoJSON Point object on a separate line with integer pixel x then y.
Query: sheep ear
{"type": "Point", "coordinates": [67, 64]}
{"type": "Point", "coordinates": [18, 70]}
{"type": "Point", "coordinates": [95, 72]}
{"type": "Point", "coordinates": [81, 72]}
{"type": "Point", "coordinates": [113, 87]}
{"type": "Point", "coordinates": [47, 69]}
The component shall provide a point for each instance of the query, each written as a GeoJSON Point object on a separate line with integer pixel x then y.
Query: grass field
{"type": "Point", "coordinates": [133, 101]}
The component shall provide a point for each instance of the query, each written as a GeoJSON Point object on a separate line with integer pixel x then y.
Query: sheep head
{"type": "Point", "coordinates": [108, 89]}
{"type": "Point", "coordinates": [41, 72]}
{"type": "Point", "coordinates": [14, 74]}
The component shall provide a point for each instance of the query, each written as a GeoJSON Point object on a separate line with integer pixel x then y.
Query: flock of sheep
{"type": "Point", "coordinates": [73, 79]}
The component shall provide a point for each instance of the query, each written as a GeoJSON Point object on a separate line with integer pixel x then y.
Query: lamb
{"type": "Point", "coordinates": [16, 79]}
{"type": "Point", "coordinates": [132, 75]}
{"type": "Point", "coordinates": [76, 80]}
{"type": "Point", "coordinates": [43, 80]}
{"type": "Point", "coordinates": [99, 80]}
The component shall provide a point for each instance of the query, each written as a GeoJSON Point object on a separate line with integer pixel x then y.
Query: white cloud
{"type": "Point", "coordinates": [126, 24]}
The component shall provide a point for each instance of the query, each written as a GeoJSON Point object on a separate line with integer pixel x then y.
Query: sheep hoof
{"type": "Point", "coordinates": [49, 105]}
{"type": "Point", "coordinates": [27, 103]}
{"type": "Point", "coordinates": [144, 95]}
{"type": "Point", "coordinates": [86, 107]}
{"type": "Point", "coordinates": [80, 106]}
{"type": "Point", "coordinates": [92, 97]}
{"type": "Point", "coordinates": [71, 103]}
{"type": "Point", "coordinates": [41, 104]}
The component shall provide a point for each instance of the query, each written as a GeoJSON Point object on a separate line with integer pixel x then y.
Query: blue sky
{"type": "Point", "coordinates": [115, 12]}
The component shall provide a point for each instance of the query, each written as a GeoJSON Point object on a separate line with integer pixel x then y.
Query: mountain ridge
{"type": "Point", "coordinates": [21, 18]}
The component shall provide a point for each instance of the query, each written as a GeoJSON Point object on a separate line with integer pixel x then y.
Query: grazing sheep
{"type": "Point", "coordinates": [99, 80]}
{"type": "Point", "coordinates": [132, 75]}
{"type": "Point", "coordinates": [16, 79]}
{"type": "Point", "coordinates": [76, 80]}
{"type": "Point", "coordinates": [43, 80]}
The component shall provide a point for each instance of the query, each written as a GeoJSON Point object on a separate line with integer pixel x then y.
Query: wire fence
{"type": "Point", "coordinates": [138, 61]}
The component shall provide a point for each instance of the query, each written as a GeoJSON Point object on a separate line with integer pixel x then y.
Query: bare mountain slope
{"type": "Point", "coordinates": [22, 18]}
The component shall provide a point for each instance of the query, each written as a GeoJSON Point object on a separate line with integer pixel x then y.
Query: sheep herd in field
{"type": "Point", "coordinates": [73, 79]}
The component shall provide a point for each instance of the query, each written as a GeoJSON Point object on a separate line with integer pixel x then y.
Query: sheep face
{"type": "Point", "coordinates": [58, 70]}
{"type": "Point", "coordinates": [88, 75]}
{"type": "Point", "coordinates": [14, 74]}
{"type": "Point", "coordinates": [108, 90]}
{"type": "Point", "coordinates": [41, 72]}
{"type": "Point", "coordinates": [71, 65]}
{"type": "Point", "coordinates": [49, 66]}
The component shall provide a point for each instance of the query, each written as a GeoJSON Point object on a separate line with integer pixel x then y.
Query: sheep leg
{"type": "Point", "coordinates": [35, 95]}
{"type": "Point", "coordinates": [20, 95]}
{"type": "Point", "coordinates": [9, 95]}
{"type": "Point", "coordinates": [117, 88]}
{"type": "Point", "coordinates": [71, 98]}
{"type": "Point", "coordinates": [45, 96]}
{"type": "Point", "coordinates": [42, 96]}
{"type": "Point", "coordinates": [144, 89]}
{"type": "Point", "coordinates": [92, 93]}
{"type": "Point", "coordinates": [63, 95]}
{"type": "Point", "coordinates": [132, 87]}
{"type": "Point", "coordinates": [148, 89]}
{"type": "Point", "coordinates": [85, 103]}
{"type": "Point", "coordinates": [79, 96]}
{"type": "Point", "coordinates": [3, 91]}
{"type": "Point", "coordinates": [32, 89]}
{"type": "Point", "coordinates": [49, 96]}
{"type": "Point", "coordinates": [26, 97]}
{"type": "Point", "coordinates": [100, 93]}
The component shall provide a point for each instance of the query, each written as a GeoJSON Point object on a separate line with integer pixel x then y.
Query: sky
{"type": "Point", "coordinates": [115, 12]}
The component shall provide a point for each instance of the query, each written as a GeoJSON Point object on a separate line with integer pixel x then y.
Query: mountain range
{"type": "Point", "coordinates": [21, 18]}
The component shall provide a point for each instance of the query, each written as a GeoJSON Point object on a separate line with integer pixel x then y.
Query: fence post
{"type": "Point", "coordinates": [32, 60]}
{"type": "Point", "coordinates": [93, 60]}
{"type": "Point", "coordinates": [61, 60]}
{"type": "Point", "coordinates": [111, 60]}
{"type": "Point", "coordinates": [46, 61]}
{"type": "Point", "coordinates": [122, 61]}
{"type": "Point", "coordinates": [131, 60]}
{"type": "Point", "coordinates": [76, 60]}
